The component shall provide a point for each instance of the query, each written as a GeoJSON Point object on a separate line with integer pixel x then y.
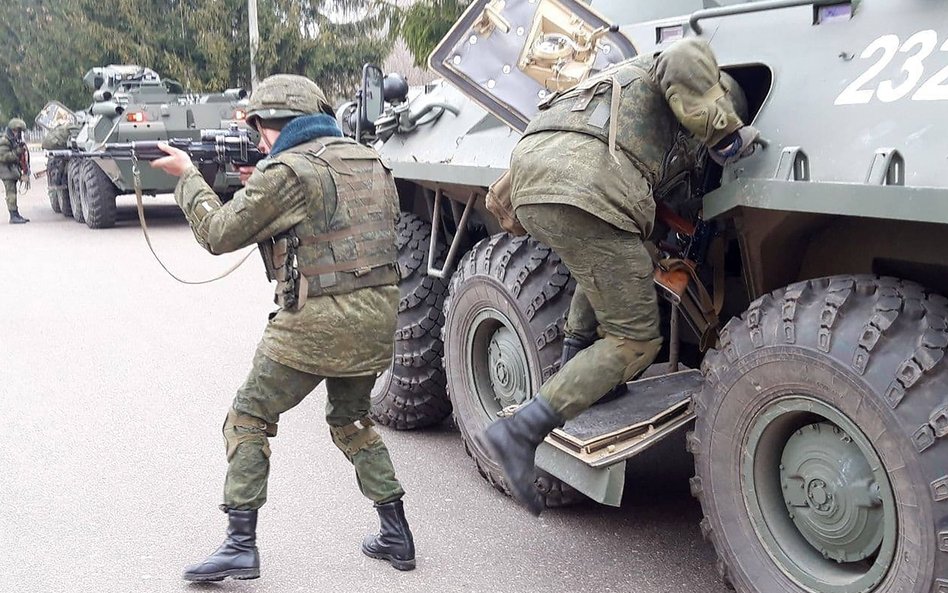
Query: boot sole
{"type": "Point", "coordinates": [534, 504]}
{"type": "Point", "coordinates": [238, 574]}
{"type": "Point", "coordinates": [395, 562]}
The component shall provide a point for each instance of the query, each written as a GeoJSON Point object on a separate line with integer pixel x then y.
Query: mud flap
{"type": "Point", "coordinates": [590, 452]}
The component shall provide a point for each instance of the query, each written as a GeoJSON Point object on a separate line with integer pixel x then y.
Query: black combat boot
{"type": "Point", "coordinates": [513, 443]}
{"type": "Point", "coordinates": [237, 557]}
{"type": "Point", "coordinates": [573, 346]}
{"type": "Point", "coordinates": [393, 542]}
{"type": "Point", "coordinates": [15, 218]}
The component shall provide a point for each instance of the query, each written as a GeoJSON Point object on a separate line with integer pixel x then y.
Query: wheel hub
{"type": "Point", "coordinates": [818, 496]}
{"type": "Point", "coordinates": [498, 362]}
{"type": "Point", "coordinates": [831, 494]}
{"type": "Point", "coordinates": [507, 367]}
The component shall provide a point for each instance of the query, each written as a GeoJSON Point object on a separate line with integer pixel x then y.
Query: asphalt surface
{"type": "Point", "coordinates": [114, 382]}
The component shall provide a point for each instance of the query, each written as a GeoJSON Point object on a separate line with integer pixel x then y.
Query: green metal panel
{"type": "Point", "coordinates": [917, 204]}
{"type": "Point", "coordinates": [604, 485]}
{"type": "Point", "coordinates": [445, 173]}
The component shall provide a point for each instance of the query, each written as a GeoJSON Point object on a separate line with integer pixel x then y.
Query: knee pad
{"type": "Point", "coordinates": [241, 428]}
{"type": "Point", "coordinates": [354, 437]}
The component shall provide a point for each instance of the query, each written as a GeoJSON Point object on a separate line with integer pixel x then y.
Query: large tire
{"type": "Point", "coordinates": [65, 205]}
{"type": "Point", "coordinates": [503, 329]}
{"type": "Point", "coordinates": [819, 444]}
{"type": "Point", "coordinates": [54, 176]}
{"type": "Point", "coordinates": [54, 201]}
{"type": "Point", "coordinates": [74, 182]}
{"type": "Point", "coordinates": [411, 394]}
{"type": "Point", "coordinates": [98, 196]}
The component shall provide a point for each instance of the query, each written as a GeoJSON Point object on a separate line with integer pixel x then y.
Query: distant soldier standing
{"type": "Point", "coordinates": [322, 208]}
{"type": "Point", "coordinates": [584, 179]}
{"type": "Point", "coordinates": [12, 152]}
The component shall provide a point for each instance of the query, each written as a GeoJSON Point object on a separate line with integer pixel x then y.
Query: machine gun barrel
{"type": "Point", "coordinates": [232, 146]}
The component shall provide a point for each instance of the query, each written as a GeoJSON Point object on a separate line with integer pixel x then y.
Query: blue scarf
{"type": "Point", "coordinates": [303, 129]}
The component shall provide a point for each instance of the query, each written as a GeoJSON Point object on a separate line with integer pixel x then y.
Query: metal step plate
{"type": "Point", "coordinates": [650, 404]}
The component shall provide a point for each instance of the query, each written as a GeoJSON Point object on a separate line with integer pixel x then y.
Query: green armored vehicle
{"type": "Point", "coordinates": [804, 366]}
{"type": "Point", "coordinates": [131, 103]}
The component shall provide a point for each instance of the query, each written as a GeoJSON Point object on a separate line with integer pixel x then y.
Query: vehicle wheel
{"type": "Point", "coordinates": [504, 320]}
{"type": "Point", "coordinates": [54, 200]}
{"type": "Point", "coordinates": [98, 196]}
{"type": "Point", "coordinates": [411, 393]}
{"type": "Point", "coordinates": [819, 445]}
{"type": "Point", "coordinates": [65, 208]}
{"type": "Point", "coordinates": [74, 183]}
{"type": "Point", "coordinates": [54, 176]}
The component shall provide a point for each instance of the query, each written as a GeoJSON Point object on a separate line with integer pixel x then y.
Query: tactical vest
{"type": "Point", "coordinates": [10, 169]}
{"type": "Point", "coordinates": [624, 107]}
{"type": "Point", "coordinates": [348, 240]}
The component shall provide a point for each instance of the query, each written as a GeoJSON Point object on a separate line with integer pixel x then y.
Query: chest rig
{"type": "Point", "coordinates": [347, 240]}
{"type": "Point", "coordinates": [624, 107]}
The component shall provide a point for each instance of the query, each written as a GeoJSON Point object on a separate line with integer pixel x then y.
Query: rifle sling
{"type": "Point", "coordinates": [141, 219]}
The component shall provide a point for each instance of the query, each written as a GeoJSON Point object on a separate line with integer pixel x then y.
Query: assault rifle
{"type": "Point", "coordinates": [220, 147]}
{"type": "Point", "coordinates": [25, 167]}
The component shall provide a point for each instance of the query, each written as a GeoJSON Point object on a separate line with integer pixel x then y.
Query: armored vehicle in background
{"type": "Point", "coordinates": [131, 103]}
{"type": "Point", "coordinates": [818, 419]}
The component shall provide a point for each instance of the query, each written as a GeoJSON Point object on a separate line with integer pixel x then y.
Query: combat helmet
{"type": "Point", "coordinates": [16, 124]}
{"type": "Point", "coordinates": [283, 96]}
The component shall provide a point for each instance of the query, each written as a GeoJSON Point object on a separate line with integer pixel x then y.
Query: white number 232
{"type": "Point", "coordinates": [916, 48]}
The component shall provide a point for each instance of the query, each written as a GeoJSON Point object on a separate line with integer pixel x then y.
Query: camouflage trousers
{"type": "Point", "coordinates": [9, 186]}
{"type": "Point", "coordinates": [614, 301]}
{"type": "Point", "coordinates": [56, 177]}
{"type": "Point", "coordinates": [273, 388]}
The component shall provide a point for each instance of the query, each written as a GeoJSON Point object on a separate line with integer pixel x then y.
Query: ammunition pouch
{"type": "Point", "coordinates": [266, 253]}
{"type": "Point", "coordinates": [295, 283]}
{"type": "Point", "coordinates": [290, 293]}
{"type": "Point", "coordinates": [499, 204]}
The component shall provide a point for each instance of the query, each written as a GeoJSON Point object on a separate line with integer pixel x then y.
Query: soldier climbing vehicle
{"type": "Point", "coordinates": [804, 365]}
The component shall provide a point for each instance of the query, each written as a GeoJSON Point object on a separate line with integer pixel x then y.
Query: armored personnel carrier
{"type": "Point", "coordinates": [804, 367]}
{"type": "Point", "coordinates": [131, 103]}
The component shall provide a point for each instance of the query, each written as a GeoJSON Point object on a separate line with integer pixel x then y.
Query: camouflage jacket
{"type": "Point", "coordinates": [667, 109]}
{"type": "Point", "coordinates": [340, 335]}
{"type": "Point", "coordinates": [59, 137]}
{"type": "Point", "coordinates": [10, 158]}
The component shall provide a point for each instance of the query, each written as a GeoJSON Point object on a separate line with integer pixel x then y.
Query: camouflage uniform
{"type": "Point", "coordinates": [584, 179]}
{"type": "Point", "coordinates": [344, 336]}
{"type": "Point", "coordinates": [596, 206]}
{"type": "Point", "coordinates": [57, 139]}
{"type": "Point", "coordinates": [11, 151]}
{"type": "Point", "coordinates": [322, 211]}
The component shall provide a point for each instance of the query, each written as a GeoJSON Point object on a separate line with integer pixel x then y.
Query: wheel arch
{"type": "Point", "coordinates": [777, 248]}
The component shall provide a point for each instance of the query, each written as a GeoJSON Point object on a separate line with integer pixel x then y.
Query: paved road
{"type": "Point", "coordinates": [114, 381]}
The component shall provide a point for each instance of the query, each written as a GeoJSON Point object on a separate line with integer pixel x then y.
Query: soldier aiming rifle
{"type": "Point", "coordinates": [219, 147]}
{"type": "Point", "coordinates": [14, 165]}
